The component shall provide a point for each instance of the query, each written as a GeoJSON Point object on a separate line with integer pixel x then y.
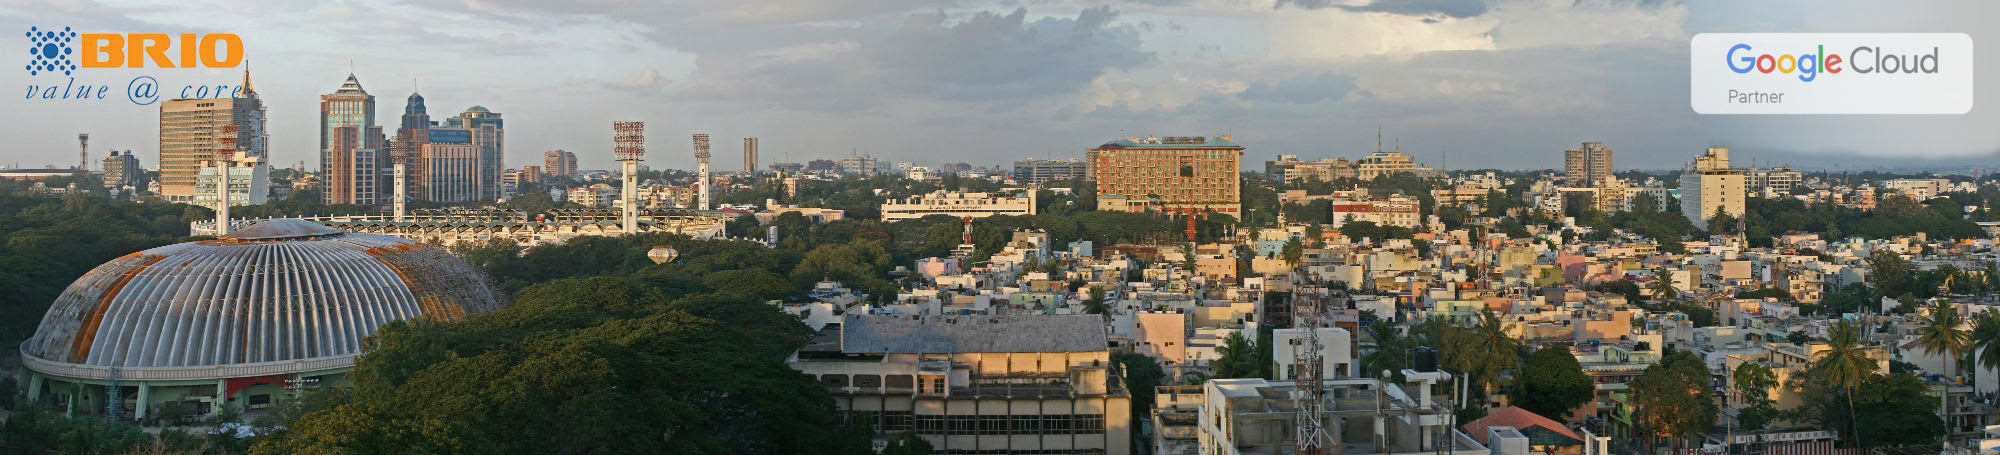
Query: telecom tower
{"type": "Point", "coordinates": [83, 152]}
{"type": "Point", "coordinates": [628, 144]}
{"type": "Point", "coordinates": [1308, 306]}
{"type": "Point", "coordinates": [701, 170]}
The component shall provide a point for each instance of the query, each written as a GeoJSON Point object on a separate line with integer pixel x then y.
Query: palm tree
{"type": "Point", "coordinates": [1942, 334]}
{"type": "Point", "coordinates": [1662, 285]}
{"type": "Point", "coordinates": [1986, 339]}
{"type": "Point", "coordinates": [1845, 363]}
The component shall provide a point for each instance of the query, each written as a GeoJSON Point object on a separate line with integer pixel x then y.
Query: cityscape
{"type": "Point", "coordinates": [1225, 278]}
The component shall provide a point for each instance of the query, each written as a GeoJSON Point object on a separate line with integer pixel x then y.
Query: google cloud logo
{"type": "Point", "coordinates": [51, 50]}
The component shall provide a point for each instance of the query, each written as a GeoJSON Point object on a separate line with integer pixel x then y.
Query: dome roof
{"type": "Point", "coordinates": [478, 108]}
{"type": "Point", "coordinates": [282, 296]}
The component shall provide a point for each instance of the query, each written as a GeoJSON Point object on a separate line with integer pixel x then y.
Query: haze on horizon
{"type": "Point", "coordinates": [1497, 83]}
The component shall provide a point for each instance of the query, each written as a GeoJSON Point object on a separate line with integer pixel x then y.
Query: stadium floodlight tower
{"type": "Point", "coordinates": [225, 152]}
{"type": "Point", "coordinates": [628, 141]}
{"type": "Point", "coordinates": [701, 169]}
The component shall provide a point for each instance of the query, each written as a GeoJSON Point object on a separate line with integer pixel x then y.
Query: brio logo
{"type": "Point", "coordinates": [116, 50]}
{"type": "Point", "coordinates": [1864, 60]}
{"type": "Point", "coordinates": [50, 51]}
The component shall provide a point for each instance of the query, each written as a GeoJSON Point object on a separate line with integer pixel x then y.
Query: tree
{"type": "Point", "coordinates": [1141, 374]}
{"type": "Point", "coordinates": [1845, 364]}
{"type": "Point", "coordinates": [907, 443]}
{"type": "Point", "coordinates": [1798, 337]}
{"type": "Point", "coordinates": [1942, 334]}
{"type": "Point", "coordinates": [1238, 358]}
{"type": "Point", "coordinates": [1888, 272]}
{"type": "Point", "coordinates": [1095, 304]}
{"type": "Point", "coordinates": [1391, 354]}
{"type": "Point", "coordinates": [1754, 382]}
{"type": "Point", "coordinates": [1671, 397]}
{"type": "Point", "coordinates": [1897, 409]}
{"type": "Point", "coordinates": [1552, 383]}
{"type": "Point", "coordinates": [1986, 339]}
{"type": "Point", "coordinates": [1355, 231]}
{"type": "Point", "coordinates": [1294, 250]}
{"type": "Point", "coordinates": [1662, 286]}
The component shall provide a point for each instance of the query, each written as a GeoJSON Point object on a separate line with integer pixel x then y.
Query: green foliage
{"type": "Point", "coordinates": [1888, 272]}
{"type": "Point", "coordinates": [907, 444]}
{"type": "Point", "coordinates": [1141, 374]}
{"type": "Point", "coordinates": [1672, 397]}
{"type": "Point", "coordinates": [1552, 383]}
{"type": "Point", "coordinates": [1942, 333]}
{"type": "Point", "coordinates": [1620, 287]}
{"type": "Point", "coordinates": [35, 429]}
{"type": "Point", "coordinates": [580, 365]}
{"type": "Point", "coordinates": [1237, 359]}
{"type": "Point", "coordinates": [10, 391]}
{"type": "Point", "coordinates": [46, 242]}
{"type": "Point", "coordinates": [1754, 382]}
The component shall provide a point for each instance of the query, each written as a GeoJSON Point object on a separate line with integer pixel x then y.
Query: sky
{"type": "Point", "coordinates": [1460, 84]}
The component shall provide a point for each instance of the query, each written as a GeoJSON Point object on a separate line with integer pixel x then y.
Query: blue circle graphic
{"type": "Point", "coordinates": [50, 50]}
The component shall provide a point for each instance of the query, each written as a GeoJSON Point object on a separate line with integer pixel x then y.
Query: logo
{"type": "Point", "coordinates": [1868, 60]}
{"type": "Point", "coordinates": [50, 51]}
{"type": "Point", "coordinates": [55, 63]}
{"type": "Point", "coordinates": [1830, 73]}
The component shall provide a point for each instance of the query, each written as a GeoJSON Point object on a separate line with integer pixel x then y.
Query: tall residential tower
{"type": "Point", "coordinates": [191, 129]}
{"type": "Point", "coordinates": [352, 154]}
{"type": "Point", "coordinates": [1586, 164]}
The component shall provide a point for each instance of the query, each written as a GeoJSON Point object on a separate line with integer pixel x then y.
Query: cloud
{"type": "Point", "coordinates": [983, 57]}
{"type": "Point", "coordinates": [643, 81]}
{"type": "Point", "coordinates": [1306, 89]}
{"type": "Point", "coordinates": [1431, 10]}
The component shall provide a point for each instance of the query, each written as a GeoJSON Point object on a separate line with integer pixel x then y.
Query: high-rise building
{"type": "Point", "coordinates": [451, 164]}
{"type": "Point", "coordinates": [1585, 165]}
{"type": "Point", "coordinates": [1709, 185]}
{"type": "Point", "coordinates": [1042, 171]}
{"type": "Point", "coordinates": [750, 156]}
{"type": "Point", "coordinates": [411, 136]}
{"type": "Point", "coordinates": [193, 130]}
{"type": "Point", "coordinates": [351, 147]}
{"type": "Point", "coordinates": [1170, 174]}
{"type": "Point", "coordinates": [857, 165]}
{"type": "Point", "coordinates": [122, 170]}
{"type": "Point", "coordinates": [559, 163]}
{"type": "Point", "coordinates": [489, 134]}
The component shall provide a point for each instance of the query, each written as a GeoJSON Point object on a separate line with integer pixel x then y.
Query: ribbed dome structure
{"type": "Point", "coordinates": [283, 296]}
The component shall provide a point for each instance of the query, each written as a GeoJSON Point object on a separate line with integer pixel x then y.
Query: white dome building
{"type": "Point", "coordinates": [234, 321]}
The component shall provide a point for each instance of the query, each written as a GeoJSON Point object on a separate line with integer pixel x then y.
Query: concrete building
{"type": "Point", "coordinates": [858, 165]}
{"type": "Point", "coordinates": [1587, 164]}
{"type": "Point", "coordinates": [1363, 415]}
{"type": "Point", "coordinates": [1709, 185]}
{"type": "Point", "coordinates": [249, 183]}
{"type": "Point", "coordinates": [1778, 181]}
{"type": "Point", "coordinates": [977, 384]}
{"type": "Point", "coordinates": [1170, 174]}
{"type": "Point", "coordinates": [451, 166]}
{"type": "Point", "coordinates": [1917, 189]}
{"type": "Point", "coordinates": [407, 146]}
{"type": "Point", "coordinates": [123, 170]}
{"type": "Point", "coordinates": [487, 132]}
{"type": "Point", "coordinates": [749, 156]}
{"type": "Point", "coordinates": [243, 334]}
{"type": "Point", "coordinates": [559, 163]}
{"type": "Point", "coordinates": [596, 195]}
{"type": "Point", "coordinates": [1326, 170]}
{"type": "Point", "coordinates": [958, 205]}
{"type": "Point", "coordinates": [1387, 210]}
{"type": "Point", "coordinates": [193, 130]}
{"type": "Point", "coordinates": [353, 152]}
{"type": "Point", "coordinates": [1043, 171]}
{"type": "Point", "coordinates": [1383, 163]}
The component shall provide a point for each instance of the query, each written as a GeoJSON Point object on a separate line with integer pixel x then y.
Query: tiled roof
{"type": "Point", "coordinates": [1540, 430]}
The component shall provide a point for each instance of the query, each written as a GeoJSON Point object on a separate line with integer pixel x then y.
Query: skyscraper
{"type": "Point", "coordinates": [1585, 165]}
{"type": "Point", "coordinates": [1709, 185]}
{"type": "Point", "coordinates": [452, 163]}
{"type": "Point", "coordinates": [351, 147]}
{"type": "Point", "coordinates": [701, 168]}
{"type": "Point", "coordinates": [489, 134]}
{"type": "Point", "coordinates": [750, 156]}
{"type": "Point", "coordinates": [559, 163]}
{"type": "Point", "coordinates": [192, 130]}
{"type": "Point", "coordinates": [411, 136]}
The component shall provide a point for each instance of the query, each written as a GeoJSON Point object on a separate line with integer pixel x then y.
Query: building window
{"type": "Point", "coordinates": [896, 421]}
{"type": "Point", "coordinates": [868, 380]}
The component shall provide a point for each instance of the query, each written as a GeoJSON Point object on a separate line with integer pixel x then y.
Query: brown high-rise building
{"type": "Point", "coordinates": [1168, 174]}
{"type": "Point", "coordinates": [191, 131]}
{"type": "Point", "coordinates": [750, 156]}
{"type": "Point", "coordinates": [559, 164]}
{"type": "Point", "coordinates": [353, 152]}
{"type": "Point", "coordinates": [1587, 164]}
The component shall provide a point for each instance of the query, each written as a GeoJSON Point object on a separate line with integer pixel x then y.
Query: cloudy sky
{"type": "Point", "coordinates": [1482, 83]}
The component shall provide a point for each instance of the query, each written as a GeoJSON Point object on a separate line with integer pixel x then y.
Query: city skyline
{"type": "Point", "coordinates": [1496, 84]}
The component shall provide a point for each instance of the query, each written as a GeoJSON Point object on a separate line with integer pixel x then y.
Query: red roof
{"type": "Point", "coordinates": [1517, 418]}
